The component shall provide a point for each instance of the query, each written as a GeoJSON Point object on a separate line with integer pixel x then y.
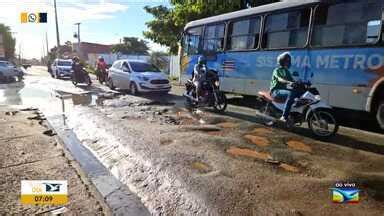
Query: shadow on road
{"type": "Point", "coordinates": [338, 139]}
{"type": "Point", "coordinates": [354, 119]}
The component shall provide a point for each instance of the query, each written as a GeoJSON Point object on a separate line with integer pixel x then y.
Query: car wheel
{"type": "Point", "coordinates": [133, 88]}
{"type": "Point", "coordinates": [110, 83]}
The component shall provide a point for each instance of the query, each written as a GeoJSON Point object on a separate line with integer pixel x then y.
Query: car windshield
{"type": "Point", "coordinates": [3, 64]}
{"type": "Point", "coordinates": [143, 67]}
{"type": "Point", "coordinates": [64, 63]}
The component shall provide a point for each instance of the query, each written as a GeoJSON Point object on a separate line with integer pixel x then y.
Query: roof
{"type": "Point", "coordinates": [94, 47]}
{"type": "Point", "coordinates": [251, 11]}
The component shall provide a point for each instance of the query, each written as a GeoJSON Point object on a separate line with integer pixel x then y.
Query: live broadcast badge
{"type": "Point", "coordinates": [345, 192]}
{"type": "Point", "coordinates": [52, 192]}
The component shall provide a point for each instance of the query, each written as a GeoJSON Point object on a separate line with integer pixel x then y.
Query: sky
{"type": "Point", "coordinates": [102, 21]}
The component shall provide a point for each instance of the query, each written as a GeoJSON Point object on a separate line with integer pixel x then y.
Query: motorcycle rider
{"type": "Point", "coordinates": [77, 68]}
{"type": "Point", "coordinates": [101, 66]}
{"type": "Point", "coordinates": [282, 77]}
{"type": "Point", "coordinates": [199, 75]}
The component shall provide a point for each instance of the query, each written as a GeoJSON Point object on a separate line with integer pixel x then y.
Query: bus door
{"type": "Point", "coordinates": [213, 46]}
{"type": "Point", "coordinates": [190, 50]}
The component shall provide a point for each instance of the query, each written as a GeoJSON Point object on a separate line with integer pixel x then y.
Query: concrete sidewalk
{"type": "Point", "coordinates": [29, 151]}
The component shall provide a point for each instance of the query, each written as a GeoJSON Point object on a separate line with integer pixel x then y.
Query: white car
{"type": "Point", "coordinates": [10, 71]}
{"type": "Point", "coordinates": [61, 68]}
{"type": "Point", "coordinates": [137, 76]}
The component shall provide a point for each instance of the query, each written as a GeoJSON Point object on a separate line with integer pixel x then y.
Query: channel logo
{"type": "Point", "coordinates": [346, 193]}
{"type": "Point", "coordinates": [50, 192]}
{"type": "Point", "coordinates": [33, 17]}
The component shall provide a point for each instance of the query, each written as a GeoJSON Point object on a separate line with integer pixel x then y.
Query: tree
{"type": "Point", "coordinates": [9, 42]}
{"type": "Point", "coordinates": [168, 23]}
{"type": "Point", "coordinates": [131, 45]}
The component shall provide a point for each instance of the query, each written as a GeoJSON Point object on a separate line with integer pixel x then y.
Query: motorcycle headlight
{"type": "Point", "coordinates": [317, 97]}
{"type": "Point", "coordinates": [217, 83]}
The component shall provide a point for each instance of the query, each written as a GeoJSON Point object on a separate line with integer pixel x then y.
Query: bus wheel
{"type": "Point", "coordinates": [380, 114]}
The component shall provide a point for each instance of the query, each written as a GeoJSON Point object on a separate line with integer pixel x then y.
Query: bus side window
{"type": "Point", "coordinates": [244, 34]}
{"type": "Point", "coordinates": [213, 38]}
{"type": "Point", "coordinates": [287, 30]}
{"type": "Point", "coordinates": [347, 23]}
{"type": "Point", "coordinates": [192, 40]}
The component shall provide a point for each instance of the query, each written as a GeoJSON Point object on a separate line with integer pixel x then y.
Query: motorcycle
{"type": "Point", "coordinates": [309, 107]}
{"type": "Point", "coordinates": [210, 95]}
{"type": "Point", "coordinates": [81, 78]}
{"type": "Point", "coordinates": [101, 75]}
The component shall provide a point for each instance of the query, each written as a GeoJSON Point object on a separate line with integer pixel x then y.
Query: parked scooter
{"type": "Point", "coordinates": [210, 95]}
{"type": "Point", "coordinates": [81, 78]}
{"type": "Point", "coordinates": [309, 107]}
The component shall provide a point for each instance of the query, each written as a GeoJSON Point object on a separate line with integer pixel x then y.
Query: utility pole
{"type": "Point", "coordinates": [78, 38]}
{"type": "Point", "coordinates": [57, 31]}
{"type": "Point", "coordinates": [46, 42]}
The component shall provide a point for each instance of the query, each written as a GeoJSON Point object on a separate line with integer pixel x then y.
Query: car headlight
{"type": "Point", "coordinates": [317, 97]}
{"type": "Point", "coordinates": [143, 78]}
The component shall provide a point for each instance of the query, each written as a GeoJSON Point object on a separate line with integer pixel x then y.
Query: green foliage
{"type": "Point", "coordinates": [131, 45]}
{"type": "Point", "coordinates": [168, 23]}
{"type": "Point", "coordinates": [9, 42]}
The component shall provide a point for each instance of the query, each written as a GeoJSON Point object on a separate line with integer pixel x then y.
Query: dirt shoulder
{"type": "Point", "coordinates": [29, 151]}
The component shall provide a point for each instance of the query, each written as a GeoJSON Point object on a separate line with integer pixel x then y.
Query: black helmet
{"type": "Point", "coordinates": [201, 60]}
{"type": "Point", "coordinates": [284, 59]}
{"type": "Point", "coordinates": [75, 58]}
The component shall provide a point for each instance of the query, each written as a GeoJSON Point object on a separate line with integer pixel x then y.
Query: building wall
{"type": "Point", "coordinates": [110, 58]}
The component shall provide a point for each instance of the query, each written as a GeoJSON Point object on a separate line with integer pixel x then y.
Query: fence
{"type": "Point", "coordinates": [174, 67]}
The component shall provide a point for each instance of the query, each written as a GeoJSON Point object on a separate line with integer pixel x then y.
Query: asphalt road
{"type": "Point", "coordinates": [40, 90]}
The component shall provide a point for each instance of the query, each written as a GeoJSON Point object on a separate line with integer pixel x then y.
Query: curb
{"type": "Point", "coordinates": [116, 195]}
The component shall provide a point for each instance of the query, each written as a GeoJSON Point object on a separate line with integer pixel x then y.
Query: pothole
{"type": "Point", "coordinates": [299, 146]}
{"type": "Point", "coordinates": [262, 131]}
{"type": "Point", "coordinates": [289, 168]}
{"type": "Point", "coordinates": [257, 140]}
{"type": "Point", "coordinates": [234, 151]}
{"type": "Point", "coordinates": [155, 103]}
{"type": "Point", "coordinates": [227, 125]}
{"type": "Point", "coordinates": [166, 141]}
{"type": "Point", "coordinates": [201, 167]}
{"type": "Point", "coordinates": [204, 128]}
